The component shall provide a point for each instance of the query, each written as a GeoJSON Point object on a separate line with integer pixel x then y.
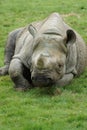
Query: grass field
{"type": "Point", "coordinates": [40, 109]}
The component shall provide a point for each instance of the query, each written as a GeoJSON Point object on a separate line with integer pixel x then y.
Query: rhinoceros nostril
{"type": "Point", "coordinates": [49, 79]}
{"type": "Point", "coordinates": [34, 78]}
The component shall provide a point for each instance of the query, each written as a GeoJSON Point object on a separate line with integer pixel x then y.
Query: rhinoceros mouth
{"type": "Point", "coordinates": [42, 81]}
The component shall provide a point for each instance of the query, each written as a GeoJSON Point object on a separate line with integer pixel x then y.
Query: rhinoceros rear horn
{"type": "Point", "coordinates": [71, 37]}
{"type": "Point", "coordinates": [32, 30]}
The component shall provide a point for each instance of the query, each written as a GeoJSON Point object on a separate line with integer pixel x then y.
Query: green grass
{"type": "Point", "coordinates": [42, 109]}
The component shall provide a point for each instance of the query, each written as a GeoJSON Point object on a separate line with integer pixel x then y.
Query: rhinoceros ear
{"type": "Point", "coordinates": [32, 30]}
{"type": "Point", "coordinates": [71, 37]}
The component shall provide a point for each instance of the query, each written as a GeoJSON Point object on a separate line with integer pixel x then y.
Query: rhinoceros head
{"type": "Point", "coordinates": [48, 62]}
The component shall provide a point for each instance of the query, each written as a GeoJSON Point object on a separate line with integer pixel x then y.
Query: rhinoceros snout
{"type": "Point", "coordinates": [42, 81]}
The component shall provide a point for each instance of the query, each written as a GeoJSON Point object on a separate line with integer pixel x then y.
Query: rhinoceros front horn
{"type": "Point", "coordinates": [40, 62]}
{"type": "Point", "coordinates": [32, 30]}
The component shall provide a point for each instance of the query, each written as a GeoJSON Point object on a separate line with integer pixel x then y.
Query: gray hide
{"type": "Point", "coordinates": [20, 49]}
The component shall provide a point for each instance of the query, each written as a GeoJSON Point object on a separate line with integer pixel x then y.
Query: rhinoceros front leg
{"type": "Point", "coordinates": [9, 51]}
{"type": "Point", "coordinates": [67, 78]}
{"type": "Point", "coordinates": [16, 74]}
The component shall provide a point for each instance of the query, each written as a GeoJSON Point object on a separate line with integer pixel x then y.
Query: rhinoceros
{"type": "Point", "coordinates": [44, 53]}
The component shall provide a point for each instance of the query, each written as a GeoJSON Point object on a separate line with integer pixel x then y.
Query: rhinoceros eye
{"type": "Point", "coordinates": [60, 65]}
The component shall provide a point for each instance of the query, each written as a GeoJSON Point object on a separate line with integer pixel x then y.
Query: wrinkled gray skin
{"type": "Point", "coordinates": [44, 53]}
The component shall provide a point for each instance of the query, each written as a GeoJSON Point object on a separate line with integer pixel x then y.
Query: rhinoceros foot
{"type": "Point", "coordinates": [21, 89]}
{"type": "Point", "coordinates": [3, 70]}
